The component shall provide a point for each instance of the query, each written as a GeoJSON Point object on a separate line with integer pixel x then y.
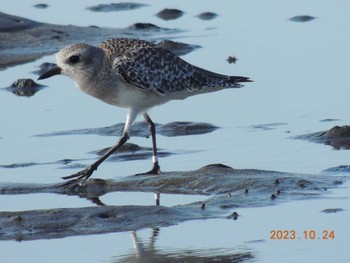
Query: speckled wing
{"type": "Point", "coordinates": [152, 68]}
{"type": "Point", "coordinates": [156, 70]}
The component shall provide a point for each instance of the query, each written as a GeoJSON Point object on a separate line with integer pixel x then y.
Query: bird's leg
{"type": "Point", "coordinates": [87, 172]}
{"type": "Point", "coordinates": [152, 128]}
{"type": "Point", "coordinates": [156, 167]}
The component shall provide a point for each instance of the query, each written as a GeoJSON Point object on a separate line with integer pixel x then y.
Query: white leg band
{"type": "Point", "coordinates": [154, 159]}
{"type": "Point", "coordinates": [157, 196]}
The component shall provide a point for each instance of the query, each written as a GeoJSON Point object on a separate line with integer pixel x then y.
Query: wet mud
{"type": "Point", "coordinates": [338, 137]}
{"type": "Point", "coordinates": [228, 189]}
{"type": "Point", "coordinates": [23, 40]}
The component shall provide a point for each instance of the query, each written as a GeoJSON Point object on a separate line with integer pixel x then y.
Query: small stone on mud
{"type": "Point", "coordinates": [233, 215]}
{"type": "Point", "coordinates": [169, 14]}
{"type": "Point", "coordinates": [24, 87]}
{"type": "Point", "coordinates": [303, 183]}
{"type": "Point", "coordinates": [24, 83]}
{"type": "Point", "coordinates": [232, 59]}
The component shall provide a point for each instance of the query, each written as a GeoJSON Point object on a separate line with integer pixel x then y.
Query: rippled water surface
{"type": "Point", "coordinates": [300, 72]}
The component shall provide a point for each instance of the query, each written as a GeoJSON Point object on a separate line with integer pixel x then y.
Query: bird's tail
{"type": "Point", "coordinates": [214, 80]}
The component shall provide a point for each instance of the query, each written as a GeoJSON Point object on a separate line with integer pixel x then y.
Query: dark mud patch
{"type": "Point", "coordinates": [44, 67]}
{"type": "Point", "coordinates": [23, 40]}
{"type": "Point", "coordinates": [329, 120]}
{"type": "Point", "coordinates": [332, 210]}
{"type": "Point", "coordinates": [24, 87]}
{"type": "Point", "coordinates": [130, 152]}
{"type": "Point", "coordinates": [224, 186]}
{"type": "Point", "coordinates": [338, 137]}
{"type": "Point", "coordinates": [18, 165]}
{"type": "Point", "coordinates": [115, 7]}
{"type": "Point", "coordinates": [67, 163]}
{"type": "Point", "coordinates": [178, 48]}
{"type": "Point", "coordinates": [41, 6]}
{"type": "Point", "coordinates": [302, 18]}
{"type": "Point", "coordinates": [169, 14]}
{"type": "Point", "coordinates": [145, 27]}
{"type": "Point", "coordinates": [266, 126]}
{"type": "Point", "coordinates": [140, 129]}
{"type": "Point", "coordinates": [207, 16]}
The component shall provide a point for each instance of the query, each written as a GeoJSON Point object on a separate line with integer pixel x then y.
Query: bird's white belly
{"type": "Point", "coordinates": [125, 96]}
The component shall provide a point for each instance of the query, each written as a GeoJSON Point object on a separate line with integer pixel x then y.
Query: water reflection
{"type": "Point", "coordinates": [147, 252]}
{"type": "Point", "coordinates": [92, 191]}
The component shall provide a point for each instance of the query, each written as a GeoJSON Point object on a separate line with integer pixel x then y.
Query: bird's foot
{"type": "Point", "coordinates": [83, 174]}
{"type": "Point", "coordinates": [154, 171]}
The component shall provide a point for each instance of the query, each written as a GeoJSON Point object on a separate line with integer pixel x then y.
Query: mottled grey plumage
{"type": "Point", "coordinates": [137, 75]}
{"type": "Point", "coordinates": [155, 69]}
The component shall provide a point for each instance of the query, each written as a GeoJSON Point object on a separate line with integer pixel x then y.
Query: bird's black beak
{"type": "Point", "coordinates": [52, 72]}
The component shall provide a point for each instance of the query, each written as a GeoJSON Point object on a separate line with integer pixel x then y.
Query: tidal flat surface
{"type": "Point", "coordinates": [267, 180]}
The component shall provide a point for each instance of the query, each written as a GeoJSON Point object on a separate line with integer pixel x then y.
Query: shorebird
{"type": "Point", "coordinates": [136, 75]}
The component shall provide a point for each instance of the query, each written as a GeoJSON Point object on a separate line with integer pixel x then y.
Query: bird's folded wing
{"type": "Point", "coordinates": [161, 73]}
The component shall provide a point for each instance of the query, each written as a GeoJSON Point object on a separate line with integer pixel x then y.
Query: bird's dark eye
{"type": "Point", "coordinates": [74, 59]}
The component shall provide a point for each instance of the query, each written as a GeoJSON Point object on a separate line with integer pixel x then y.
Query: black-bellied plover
{"type": "Point", "coordinates": [136, 75]}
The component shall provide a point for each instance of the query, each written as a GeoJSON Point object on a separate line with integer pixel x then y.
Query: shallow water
{"type": "Point", "coordinates": [300, 71]}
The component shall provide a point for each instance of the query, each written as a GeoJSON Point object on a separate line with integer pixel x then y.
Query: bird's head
{"type": "Point", "coordinates": [77, 61]}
